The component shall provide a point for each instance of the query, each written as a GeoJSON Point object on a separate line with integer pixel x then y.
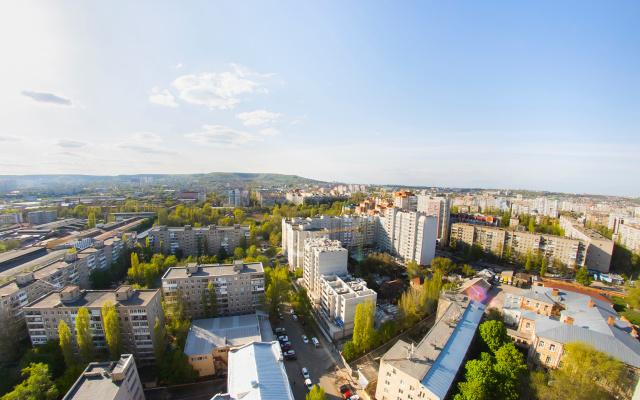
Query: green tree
{"type": "Point", "coordinates": [493, 334]}
{"type": "Point", "coordinates": [163, 217]}
{"type": "Point", "coordinates": [302, 304]}
{"type": "Point", "coordinates": [543, 267]}
{"type": "Point", "coordinates": [253, 252]}
{"type": "Point", "coordinates": [316, 393]}
{"type": "Point", "coordinates": [527, 265]}
{"type": "Point", "coordinates": [175, 368]}
{"type": "Point", "coordinates": [480, 380]}
{"type": "Point", "coordinates": [49, 353]}
{"type": "Point", "coordinates": [349, 350]}
{"type": "Point", "coordinates": [160, 339]}
{"type": "Point", "coordinates": [37, 385]}
{"type": "Point", "coordinates": [222, 254]}
{"type": "Point", "coordinates": [531, 227]}
{"type": "Point", "coordinates": [170, 262]}
{"type": "Point", "coordinates": [205, 303]}
{"type": "Point", "coordinates": [443, 265]}
{"type": "Point", "coordinates": [583, 277]}
{"type": "Point", "coordinates": [112, 330]}
{"type": "Point", "coordinates": [278, 286]}
{"type": "Point", "coordinates": [70, 376]}
{"type": "Point", "coordinates": [85, 337]}
{"type": "Point", "coordinates": [510, 370]}
{"type": "Point", "coordinates": [92, 220]}
{"type": "Point", "coordinates": [414, 270]}
{"type": "Point", "coordinates": [364, 336]}
{"type": "Point", "coordinates": [66, 343]}
{"type": "Point", "coordinates": [585, 374]}
{"type": "Point", "coordinates": [238, 253]}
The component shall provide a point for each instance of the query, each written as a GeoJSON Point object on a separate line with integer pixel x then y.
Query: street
{"type": "Point", "coordinates": [317, 360]}
{"type": "Point", "coordinates": [193, 391]}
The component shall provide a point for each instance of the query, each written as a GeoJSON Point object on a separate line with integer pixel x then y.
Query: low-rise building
{"type": "Point", "coordinates": [209, 340]}
{"type": "Point", "coordinates": [197, 241]}
{"type": "Point", "coordinates": [108, 381]}
{"type": "Point", "coordinates": [545, 319]}
{"type": "Point", "coordinates": [239, 286]}
{"type": "Point", "coordinates": [137, 310]}
{"type": "Point", "coordinates": [427, 370]}
{"type": "Point", "coordinates": [338, 301]}
{"type": "Point", "coordinates": [256, 372]}
{"type": "Point", "coordinates": [10, 219]}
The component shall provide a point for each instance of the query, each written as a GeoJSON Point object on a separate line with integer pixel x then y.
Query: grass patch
{"type": "Point", "coordinates": [620, 305]}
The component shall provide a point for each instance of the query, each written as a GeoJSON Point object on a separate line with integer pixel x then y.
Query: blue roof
{"type": "Point", "coordinates": [443, 371]}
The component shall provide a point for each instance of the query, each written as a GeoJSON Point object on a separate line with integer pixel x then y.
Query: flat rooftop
{"type": "Point", "coordinates": [206, 334]}
{"type": "Point", "coordinates": [96, 381]}
{"type": "Point", "coordinates": [207, 270]}
{"type": "Point", "coordinates": [95, 299]}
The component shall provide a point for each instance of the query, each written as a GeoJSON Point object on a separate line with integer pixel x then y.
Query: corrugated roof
{"type": "Point", "coordinates": [248, 382]}
{"type": "Point", "coordinates": [207, 334]}
{"type": "Point", "coordinates": [443, 371]}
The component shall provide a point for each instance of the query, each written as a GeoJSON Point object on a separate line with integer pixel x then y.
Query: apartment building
{"type": "Point", "coordinates": [519, 243]}
{"type": "Point", "coordinates": [10, 219]}
{"type": "Point", "coordinates": [42, 217]}
{"type": "Point", "coordinates": [189, 239]}
{"type": "Point", "coordinates": [427, 370]}
{"type": "Point", "coordinates": [239, 286]}
{"type": "Point", "coordinates": [269, 198]}
{"type": "Point", "coordinates": [322, 257]}
{"type": "Point", "coordinates": [209, 340]}
{"type": "Point", "coordinates": [239, 197]}
{"type": "Point", "coordinates": [338, 301]}
{"type": "Point", "coordinates": [75, 268]}
{"type": "Point", "coordinates": [410, 235]}
{"type": "Point", "coordinates": [629, 236]}
{"type": "Point", "coordinates": [350, 230]}
{"type": "Point", "coordinates": [599, 248]}
{"type": "Point", "coordinates": [14, 296]}
{"type": "Point", "coordinates": [439, 207]}
{"type": "Point", "coordinates": [578, 316]}
{"type": "Point", "coordinates": [108, 381]}
{"type": "Point", "coordinates": [404, 200]}
{"type": "Point", "coordinates": [137, 309]}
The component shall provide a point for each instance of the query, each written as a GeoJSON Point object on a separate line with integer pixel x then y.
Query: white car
{"type": "Point", "coordinates": [293, 311]}
{"type": "Point", "coordinates": [305, 339]}
{"type": "Point", "coordinates": [283, 338]}
{"type": "Point", "coordinates": [305, 373]}
{"type": "Point", "coordinates": [315, 341]}
{"type": "Point", "coordinates": [308, 384]}
{"type": "Point", "coordinates": [295, 317]}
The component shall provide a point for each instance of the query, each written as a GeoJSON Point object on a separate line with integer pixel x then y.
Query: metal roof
{"type": "Point", "coordinates": [206, 334]}
{"type": "Point", "coordinates": [248, 382]}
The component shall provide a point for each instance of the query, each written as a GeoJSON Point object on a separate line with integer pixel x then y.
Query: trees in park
{"type": "Point", "coordinates": [112, 330]}
{"type": "Point", "coordinates": [278, 285]}
{"type": "Point", "coordinates": [493, 335]}
{"type": "Point", "coordinates": [66, 343]}
{"type": "Point", "coordinates": [37, 385]}
{"type": "Point", "coordinates": [85, 337]}
{"type": "Point", "coordinates": [585, 373]}
{"type": "Point", "coordinates": [414, 270]}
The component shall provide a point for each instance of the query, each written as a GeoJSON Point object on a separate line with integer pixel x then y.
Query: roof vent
{"type": "Point", "coordinates": [592, 303]}
{"type": "Point", "coordinates": [254, 384]}
{"type": "Point", "coordinates": [554, 292]}
{"type": "Point", "coordinates": [611, 321]}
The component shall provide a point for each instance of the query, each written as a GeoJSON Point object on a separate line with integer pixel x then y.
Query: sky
{"type": "Point", "coordinates": [524, 95]}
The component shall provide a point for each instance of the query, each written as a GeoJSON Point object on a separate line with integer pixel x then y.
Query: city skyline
{"type": "Point", "coordinates": [443, 95]}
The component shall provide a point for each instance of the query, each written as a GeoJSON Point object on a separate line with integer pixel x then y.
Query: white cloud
{"type": "Point", "coordinates": [49, 98]}
{"type": "Point", "coordinates": [269, 132]}
{"type": "Point", "coordinates": [219, 89]}
{"type": "Point", "coordinates": [9, 138]}
{"type": "Point", "coordinates": [258, 117]}
{"type": "Point", "coordinates": [147, 137]}
{"type": "Point", "coordinates": [179, 65]}
{"type": "Point", "coordinates": [144, 148]}
{"type": "Point", "coordinates": [222, 136]}
{"type": "Point", "coordinates": [163, 98]}
{"type": "Point", "coordinates": [69, 143]}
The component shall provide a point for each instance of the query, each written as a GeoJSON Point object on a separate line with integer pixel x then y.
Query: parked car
{"type": "Point", "coordinates": [286, 347]}
{"type": "Point", "coordinates": [290, 355]}
{"type": "Point", "coordinates": [305, 339]}
{"type": "Point", "coordinates": [344, 389]}
{"type": "Point", "coordinates": [283, 338]}
{"type": "Point", "coordinates": [280, 331]}
{"type": "Point", "coordinates": [295, 317]}
{"type": "Point", "coordinates": [308, 384]}
{"type": "Point", "coordinates": [305, 373]}
{"type": "Point", "coordinates": [315, 341]}
{"type": "Point", "coordinates": [347, 394]}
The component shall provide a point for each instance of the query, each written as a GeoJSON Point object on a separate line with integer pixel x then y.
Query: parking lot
{"type": "Point", "coordinates": [317, 360]}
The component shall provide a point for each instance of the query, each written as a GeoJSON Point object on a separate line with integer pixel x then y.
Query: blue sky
{"type": "Point", "coordinates": [537, 95]}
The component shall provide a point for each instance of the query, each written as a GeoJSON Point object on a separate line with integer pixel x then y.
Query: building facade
{"type": "Point", "coordinates": [439, 207]}
{"type": "Point", "coordinates": [629, 236]}
{"type": "Point", "coordinates": [42, 217]}
{"type": "Point", "coordinates": [197, 241]}
{"type": "Point", "coordinates": [410, 235]}
{"type": "Point", "coordinates": [137, 310]}
{"type": "Point", "coordinates": [599, 248]}
{"type": "Point", "coordinates": [322, 257]}
{"type": "Point", "coordinates": [10, 219]}
{"type": "Point", "coordinates": [338, 301]}
{"type": "Point", "coordinates": [239, 287]}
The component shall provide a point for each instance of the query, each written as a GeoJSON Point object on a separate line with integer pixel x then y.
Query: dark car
{"type": "Point", "coordinates": [344, 389]}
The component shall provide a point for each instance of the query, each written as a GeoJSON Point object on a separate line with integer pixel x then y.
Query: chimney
{"type": "Point", "coordinates": [592, 303]}
{"type": "Point", "coordinates": [554, 292]}
{"type": "Point", "coordinates": [611, 321]}
{"type": "Point", "coordinates": [568, 320]}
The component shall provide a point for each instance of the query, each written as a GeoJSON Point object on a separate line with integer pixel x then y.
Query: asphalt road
{"type": "Point", "coordinates": [317, 360]}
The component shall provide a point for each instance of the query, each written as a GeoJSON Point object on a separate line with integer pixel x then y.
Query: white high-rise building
{"type": "Point", "coordinates": [323, 257]}
{"type": "Point", "coordinates": [439, 207]}
{"type": "Point", "coordinates": [411, 235]}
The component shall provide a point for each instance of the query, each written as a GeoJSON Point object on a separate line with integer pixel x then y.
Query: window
{"type": "Point", "coordinates": [537, 305]}
{"type": "Point", "coordinates": [549, 359]}
{"type": "Point", "coordinates": [412, 388]}
{"type": "Point", "coordinates": [546, 308]}
{"type": "Point", "coordinates": [528, 325]}
{"type": "Point", "coordinates": [401, 382]}
{"type": "Point", "coordinates": [552, 347]}
{"type": "Point", "coordinates": [386, 390]}
{"type": "Point", "coordinates": [387, 383]}
{"type": "Point", "coordinates": [400, 391]}
{"type": "Point", "coordinates": [541, 344]}
{"type": "Point", "coordinates": [528, 302]}
{"type": "Point", "coordinates": [388, 373]}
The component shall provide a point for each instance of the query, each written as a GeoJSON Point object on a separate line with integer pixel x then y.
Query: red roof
{"type": "Point", "coordinates": [567, 288]}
